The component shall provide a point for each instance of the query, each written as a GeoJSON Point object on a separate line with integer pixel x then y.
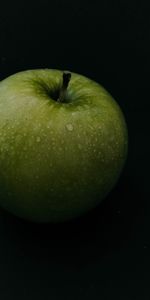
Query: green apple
{"type": "Point", "coordinates": [63, 144]}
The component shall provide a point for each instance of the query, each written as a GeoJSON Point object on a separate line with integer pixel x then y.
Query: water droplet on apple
{"type": "Point", "coordinates": [49, 124]}
{"type": "Point", "coordinates": [69, 127]}
{"type": "Point", "coordinates": [38, 139]}
{"type": "Point", "coordinates": [73, 113]}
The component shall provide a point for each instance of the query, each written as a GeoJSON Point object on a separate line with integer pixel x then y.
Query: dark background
{"type": "Point", "coordinates": [105, 254]}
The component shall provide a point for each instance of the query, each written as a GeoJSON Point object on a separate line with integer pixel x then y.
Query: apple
{"type": "Point", "coordinates": [63, 144]}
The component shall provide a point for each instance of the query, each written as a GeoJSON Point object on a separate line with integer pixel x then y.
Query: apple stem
{"type": "Point", "coordinates": [63, 89]}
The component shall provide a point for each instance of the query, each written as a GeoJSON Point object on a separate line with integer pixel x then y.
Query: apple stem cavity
{"type": "Point", "coordinates": [63, 89]}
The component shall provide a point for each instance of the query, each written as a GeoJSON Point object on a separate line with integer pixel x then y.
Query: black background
{"type": "Point", "coordinates": [105, 254]}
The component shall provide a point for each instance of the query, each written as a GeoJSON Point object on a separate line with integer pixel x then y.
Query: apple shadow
{"type": "Point", "coordinates": [102, 231]}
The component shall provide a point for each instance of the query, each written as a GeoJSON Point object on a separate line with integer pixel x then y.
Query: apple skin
{"type": "Point", "coordinates": [57, 160]}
